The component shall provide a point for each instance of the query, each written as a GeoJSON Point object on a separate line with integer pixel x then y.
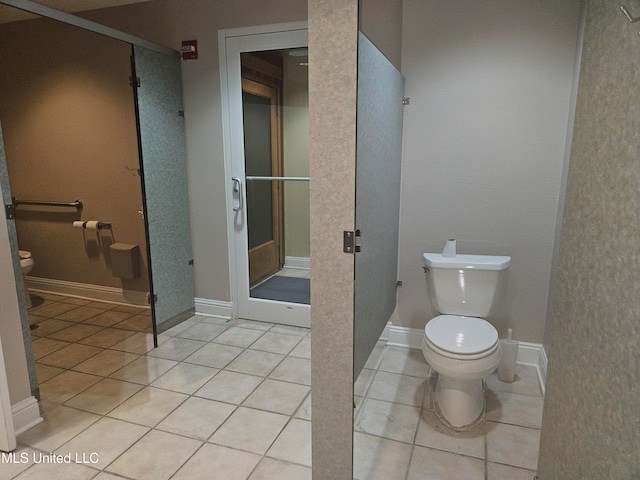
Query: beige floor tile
{"type": "Point", "coordinates": [303, 349]}
{"type": "Point", "coordinates": [23, 456]}
{"type": "Point", "coordinates": [48, 326]}
{"type": "Point", "coordinates": [392, 387]}
{"type": "Point", "coordinates": [526, 382]}
{"type": "Point", "coordinates": [185, 378]}
{"type": "Point", "coordinates": [74, 300]}
{"type": "Point", "coordinates": [148, 407]}
{"type": "Point", "coordinates": [52, 309]}
{"type": "Point", "coordinates": [227, 463]}
{"type": "Point", "coordinates": [230, 387]}
{"type": "Point", "coordinates": [388, 420]}
{"type": "Point", "coordinates": [156, 456]}
{"type": "Point", "coordinates": [255, 362]}
{"type": "Point", "coordinates": [46, 372]}
{"type": "Point", "coordinates": [45, 346]}
{"type": "Point", "coordinates": [75, 332]}
{"type": "Point", "coordinates": [66, 385]}
{"type": "Point", "coordinates": [70, 356]}
{"type": "Point", "coordinates": [102, 305]}
{"type": "Point", "coordinates": [406, 361]}
{"type": "Point", "coordinates": [276, 396]}
{"type": "Point", "coordinates": [202, 331]}
{"type": "Point", "coordinates": [276, 343]}
{"type": "Point", "coordinates": [522, 410]}
{"type": "Point", "coordinates": [294, 443]}
{"type": "Point", "coordinates": [106, 362]}
{"type": "Point", "coordinates": [375, 357]}
{"type": "Point", "coordinates": [107, 338]}
{"type": "Point", "coordinates": [181, 327]}
{"type": "Point", "coordinates": [428, 464]}
{"type": "Point", "coordinates": [512, 445]}
{"type": "Point", "coordinates": [47, 471]}
{"type": "Point", "coordinates": [61, 424]}
{"type": "Point", "coordinates": [108, 318]}
{"type": "Point", "coordinates": [432, 433]}
{"type": "Point", "coordinates": [79, 314]}
{"type": "Point", "coordinates": [250, 430]}
{"type": "Point", "coordinates": [270, 469]}
{"type": "Point", "coordinates": [176, 349]}
{"type": "Point", "coordinates": [197, 418]}
{"type": "Point", "coordinates": [291, 330]}
{"type": "Point", "coordinates": [214, 355]}
{"type": "Point", "coordinates": [139, 323]}
{"type": "Point", "coordinates": [238, 337]}
{"type": "Point", "coordinates": [144, 370]}
{"type": "Point", "coordinates": [104, 396]}
{"type": "Point", "coordinates": [495, 471]}
{"type": "Point", "coordinates": [304, 411]}
{"type": "Point", "coordinates": [264, 326]}
{"type": "Point", "coordinates": [139, 342]}
{"type": "Point", "coordinates": [293, 369]}
{"type": "Point", "coordinates": [376, 458]}
{"type": "Point", "coordinates": [103, 442]}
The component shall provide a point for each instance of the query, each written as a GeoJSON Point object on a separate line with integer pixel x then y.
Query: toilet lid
{"type": "Point", "coordinates": [24, 254]}
{"type": "Point", "coordinates": [461, 335]}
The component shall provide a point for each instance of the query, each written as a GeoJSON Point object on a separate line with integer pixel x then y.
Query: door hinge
{"type": "Point", "coordinates": [406, 101]}
{"type": "Point", "coordinates": [9, 211]}
{"type": "Point", "coordinates": [349, 241]}
{"type": "Point", "coordinates": [137, 81]}
{"type": "Point", "coordinates": [155, 298]}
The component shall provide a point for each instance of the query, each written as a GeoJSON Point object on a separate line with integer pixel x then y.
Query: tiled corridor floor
{"type": "Point", "coordinates": [230, 400]}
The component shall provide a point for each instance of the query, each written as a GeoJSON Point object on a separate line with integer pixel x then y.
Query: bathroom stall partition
{"type": "Point", "coordinates": [378, 160]}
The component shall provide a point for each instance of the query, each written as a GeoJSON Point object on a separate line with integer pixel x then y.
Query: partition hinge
{"type": "Point", "coordinates": [406, 101]}
{"type": "Point", "coordinates": [137, 81]}
{"type": "Point", "coordinates": [9, 211]}
{"type": "Point", "coordinates": [155, 298]}
{"type": "Point", "coordinates": [349, 241]}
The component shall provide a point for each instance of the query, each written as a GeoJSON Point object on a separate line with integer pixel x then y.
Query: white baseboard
{"type": "Point", "coordinates": [90, 292]}
{"type": "Point", "coordinates": [26, 414]}
{"type": "Point", "coordinates": [213, 308]}
{"type": "Point", "coordinates": [297, 262]}
{"type": "Point", "coordinates": [531, 354]}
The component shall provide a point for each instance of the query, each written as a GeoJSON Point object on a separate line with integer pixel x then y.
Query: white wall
{"type": "Point", "coordinates": [484, 140]}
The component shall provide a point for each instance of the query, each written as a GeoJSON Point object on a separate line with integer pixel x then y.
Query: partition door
{"type": "Point", "coordinates": [378, 158]}
{"type": "Point", "coordinates": [164, 180]}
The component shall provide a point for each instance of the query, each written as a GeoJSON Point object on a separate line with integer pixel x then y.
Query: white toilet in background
{"type": "Point", "coordinates": [460, 345]}
{"type": "Point", "coordinates": [26, 263]}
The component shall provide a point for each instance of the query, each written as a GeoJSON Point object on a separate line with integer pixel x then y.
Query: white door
{"type": "Point", "coordinates": [267, 187]}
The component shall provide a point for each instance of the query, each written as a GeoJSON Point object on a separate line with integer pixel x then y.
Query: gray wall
{"type": "Point", "coordinates": [484, 140]}
{"type": "Point", "coordinates": [591, 422]}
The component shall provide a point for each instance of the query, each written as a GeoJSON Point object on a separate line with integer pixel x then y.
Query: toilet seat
{"type": "Point", "coordinates": [459, 337]}
{"type": "Point", "coordinates": [24, 254]}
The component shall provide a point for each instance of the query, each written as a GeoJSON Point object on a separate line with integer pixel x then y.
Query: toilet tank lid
{"type": "Point", "coordinates": [481, 262]}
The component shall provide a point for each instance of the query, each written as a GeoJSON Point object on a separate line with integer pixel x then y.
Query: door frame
{"type": "Point", "coordinates": [231, 43]}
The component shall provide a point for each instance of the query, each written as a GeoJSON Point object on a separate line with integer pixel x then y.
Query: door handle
{"type": "Point", "coordinates": [237, 188]}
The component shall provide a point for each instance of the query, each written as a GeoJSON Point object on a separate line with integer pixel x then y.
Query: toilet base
{"type": "Point", "coordinates": [459, 404]}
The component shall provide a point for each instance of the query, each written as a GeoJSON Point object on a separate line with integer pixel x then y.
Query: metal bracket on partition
{"type": "Point", "coordinates": [406, 100]}
{"type": "Point", "coordinates": [349, 241]}
{"type": "Point", "coordinates": [9, 211]}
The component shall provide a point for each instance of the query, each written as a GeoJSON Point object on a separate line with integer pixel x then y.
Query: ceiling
{"type": "Point", "coordinates": [10, 14]}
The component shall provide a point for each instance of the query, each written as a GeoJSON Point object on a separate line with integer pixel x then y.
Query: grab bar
{"type": "Point", "coordinates": [291, 179]}
{"type": "Point", "coordinates": [76, 204]}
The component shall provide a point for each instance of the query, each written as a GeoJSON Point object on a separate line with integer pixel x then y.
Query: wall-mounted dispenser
{"type": "Point", "coordinates": [125, 260]}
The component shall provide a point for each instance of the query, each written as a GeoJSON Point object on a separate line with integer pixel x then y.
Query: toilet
{"type": "Point", "coordinates": [26, 263]}
{"type": "Point", "coordinates": [460, 345]}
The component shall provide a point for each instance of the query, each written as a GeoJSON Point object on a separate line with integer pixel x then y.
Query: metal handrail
{"type": "Point", "coordinates": [75, 204]}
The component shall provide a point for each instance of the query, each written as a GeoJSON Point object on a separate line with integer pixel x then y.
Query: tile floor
{"type": "Point", "coordinates": [230, 400]}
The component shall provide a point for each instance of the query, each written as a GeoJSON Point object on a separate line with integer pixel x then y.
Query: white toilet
{"type": "Point", "coordinates": [460, 345]}
{"type": "Point", "coordinates": [26, 263]}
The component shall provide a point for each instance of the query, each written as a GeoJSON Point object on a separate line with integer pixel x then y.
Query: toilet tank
{"type": "Point", "coordinates": [471, 285]}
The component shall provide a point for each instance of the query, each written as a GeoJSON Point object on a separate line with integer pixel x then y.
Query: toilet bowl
{"type": "Point", "coordinates": [463, 350]}
{"type": "Point", "coordinates": [26, 264]}
{"type": "Point", "coordinates": [460, 345]}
